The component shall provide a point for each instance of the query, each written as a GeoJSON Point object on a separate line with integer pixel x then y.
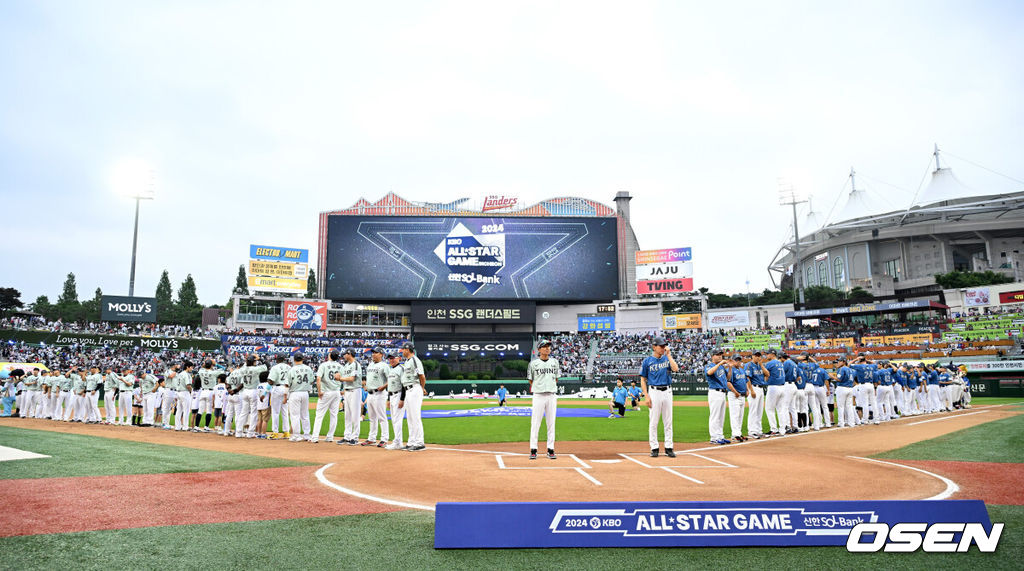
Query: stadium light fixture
{"type": "Point", "coordinates": [133, 178]}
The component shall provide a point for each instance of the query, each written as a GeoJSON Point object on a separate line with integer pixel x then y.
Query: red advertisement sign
{"type": "Point", "coordinates": [664, 286]}
{"type": "Point", "coordinates": [1012, 296]}
{"type": "Point", "coordinates": [305, 315]}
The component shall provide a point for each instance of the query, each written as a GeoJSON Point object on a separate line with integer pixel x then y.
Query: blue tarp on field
{"type": "Point", "coordinates": [567, 412]}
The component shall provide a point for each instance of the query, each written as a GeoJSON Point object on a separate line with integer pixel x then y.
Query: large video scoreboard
{"type": "Point", "coordinates": [406, 258]}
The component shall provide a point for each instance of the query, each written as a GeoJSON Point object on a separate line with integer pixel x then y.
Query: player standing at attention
{"type": "Point", "coordinates": [92, 383]}
{"type": "Point", "coordinates": [248, 414]}
{"type": "Point", "coordinates": [656, 384]}
{"type": "Point", "coordinates": [149, 387]}
{"type": "Point", "coordinates": [776, 406]}
{"type": "Point", "coordinates": [232, 404]}
{"type": "Point", "coordinates": [279, 398]}
{"type": "Point", "coordinates": [352, 376]}
{"type": "Point", "coordinates": [738, 388]}
{"type": "Point", "coordinates": [845, 413]}
{"type": "Point", "coordinates": [414, 384]}
{"type": "Point", "coordinates": [542, 374]}
{"type": "Point", "coordinates": [126, 394]}
{"type": "Point", "coordinates": [64, 398]}
{"type": "Point", "coordinates": [395, 401]}
{"type": "Point", "coordinates": [502, 394]}
{"type": "Point", "coordinates": [756, 374]}
{"type": "Point", "coordinates": [183, 396]}
{"type": "Point", "coordinates": [299, 380]}
{"type": "Point", "coordinates": [207, 383]}
{"type": "Point", "coordinates": [790, 371]}
{"type": "Point", "coordinates": [717, 375]}
{"type": "Point", "coordinates": [220, 400]}
{"type": "Point", "coordinates": [619, 394]}
{"type": "Point", "coordinates": [377, 386]}
{"type": "Point", "coordinates": [328, 396]}
{"type": "Point", "coordinates": [109, 399]}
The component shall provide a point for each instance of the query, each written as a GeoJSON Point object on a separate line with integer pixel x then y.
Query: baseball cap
{"type": "Point", "coordinates": [409, 346]}
{"type": "Point", "coordinates": [659, 341]}
{"type": "Point", "coordinates": [377, 350]}
{"type": "Point", "coordinates": [544, 342]}
{"type": "Point", "coordinates": [737, 357]}
{"type": "Point", "coordinates": [773, 352]}
{"type": "Point", "coordinates": [392, 356]}
{"type": "Point", "coordinates": [350, 352]}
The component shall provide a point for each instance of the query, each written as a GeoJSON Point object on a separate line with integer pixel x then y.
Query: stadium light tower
{"type": "Point", "coordinates": [788, 197]}
{"type": "Point", "coordinates": [134, 178]}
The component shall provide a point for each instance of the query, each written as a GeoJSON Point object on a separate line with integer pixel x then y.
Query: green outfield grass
{"type": "Point", "coordinates": [404, 540]}
{"type": "Point", "coordinates": [75, 455]}
{"type": "Point", "coordinates": [996, 441]}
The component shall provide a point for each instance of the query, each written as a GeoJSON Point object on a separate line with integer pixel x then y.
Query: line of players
{"type": "Point", "coordinates": [798, 395]}
{"type": "Point", "coordinates": [241, 401]}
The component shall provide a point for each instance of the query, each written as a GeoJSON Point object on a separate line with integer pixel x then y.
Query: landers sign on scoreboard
{"type": "Point", "coordinates": [470, 312]}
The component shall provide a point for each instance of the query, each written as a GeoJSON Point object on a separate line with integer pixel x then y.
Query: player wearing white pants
{"type": "Point", "coordinates": [149, 399]}
{"type": "Point", "coordinates": [207, 384]}
{"type": "Point", "coordinates": [756, 374]}
{"type": "Point", "coordinates": [414, 381]}
{"type": "Point", "coordinates": [92, 384]}
{"type": "Point", "coordinates": [376, 387]}
{"type": "Point", "coordinates": [279, 397]}
{"type": "Point", "coordinates": [717, 375]}
{"type": "Point", "coordinates": [125, 384]}
{"type": "Point", "coordinates": [737, 389]}
{"type": "Point", "coordinates": [279, 408]}
{"type": "Point", "coordinates": [845, 412]}
{"type": "Point", "coordinates": [184, 397]}
{"type": "Point", "coordinates": [245, 422]}
{"type": "Point", "coordinates": [542, 374]}
{"type": "Point", "coordinates": [110, 397]}
{"type": "Point", "coordinates": [656, 384]}
{"type": "Point", "coordinates": [868, 402]}
{"type": "Point", "coordinates": [394, 373]}
{"type": "Point", "coordinates": [352, 376]}
{"type": "Point", "coordinates": [299, 380]}
{"type": "Point", "coordinates": [798, 406]}
{"type": "Point", "coordinates": [329, 378]}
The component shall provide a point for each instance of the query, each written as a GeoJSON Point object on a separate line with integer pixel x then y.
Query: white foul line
{"type": "Point", "coordinates": [627, 457]}
{"type": "Point", "coordinates": [589, 477]}
{"type": "Point", "coordinates": [725, 464]}
{"type": "Point", "coordinates": [581, 462]}
{"type": "Point", "coordinates": [951, 487]}
{"type": "Point", "coordinates": [684, 476]}
{"type": "Point", "coordinates": [323, 480]}
{"type": "Point", "coordinates": [946, 417]}
{"type": "Point", "coordinates": [477, 451]}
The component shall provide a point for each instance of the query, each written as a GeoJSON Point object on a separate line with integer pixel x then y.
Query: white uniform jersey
{"type": "Point", "coordinates": [220, 393]}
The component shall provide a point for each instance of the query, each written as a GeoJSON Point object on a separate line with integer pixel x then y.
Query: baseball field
{"type": "Point", "coordinates": [95, 496]}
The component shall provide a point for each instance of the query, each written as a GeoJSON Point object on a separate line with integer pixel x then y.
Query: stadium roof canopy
{"type": "Point", "coordinates": [394, 205]}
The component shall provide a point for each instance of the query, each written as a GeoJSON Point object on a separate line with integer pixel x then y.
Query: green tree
{"type": "Point", "coordinates": [187, 297]}
{"type": "Point", "coordinates": [91, 309]}
{"type": "Point", "coordinates": [311, 284]}
{"type": "Point", "coordinates": [241, 282]}
{"type": "Point", "coordinates": [957, 279]}
{"type": "Point", "coordinates": [445, 372]}
{"type": "Point", "coordinates": [860, 295]}
{"type": "Point", "coordinates": [10, 299]}
{"type": "Point", "coordinates": [43, 307]}
{"type": "Point", "coordinates": [166, 312]}
{"type": "Point", "coordinates": [68, 307]}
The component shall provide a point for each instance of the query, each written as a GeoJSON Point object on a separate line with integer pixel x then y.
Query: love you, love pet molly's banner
{"type": "Point", "coordinates": [694, 524]}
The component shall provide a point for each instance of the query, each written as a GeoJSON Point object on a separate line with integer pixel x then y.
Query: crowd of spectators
{"type": "Point", "coordinates": [104, 328]}
{"type": "Point", "coordinates": [572, 351]}
{"type": "Point", "coordinates": [623, 353]}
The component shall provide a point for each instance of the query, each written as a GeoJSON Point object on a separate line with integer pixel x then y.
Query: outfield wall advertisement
{"type": "Point", "coordinates": [93, 340]}
{"type": "Point", "coordinates": [119, 308]}
{"type": "Point", "coordinates": [398, 258]}
{"type": "Point", "coordinates": [308, 315]}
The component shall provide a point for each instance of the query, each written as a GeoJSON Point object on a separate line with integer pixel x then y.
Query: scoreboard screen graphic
{"type": "Point", "coordinates": [401, 258]}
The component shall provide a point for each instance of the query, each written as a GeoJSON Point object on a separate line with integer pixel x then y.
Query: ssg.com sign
{"type": "Point", "coordinates": [486, 347]}
{"type": "Point", "coordinates": [120, 309]}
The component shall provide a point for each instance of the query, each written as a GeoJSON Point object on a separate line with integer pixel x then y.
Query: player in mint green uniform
{"type": "Point", "coordinates": [110, 400]}
{"type": "Point", "coordinates": [207, 383]}
{"type": "Point", "coordinates": [543, 373]}
{"type": "Point", "coordinates": [299, 380]}
{"type": "Point", "coordinates": [376, 387]}
{"type": "Point", "coordinates": [352, 376]}
{"type": "Point", "coordinates": [328, 390]}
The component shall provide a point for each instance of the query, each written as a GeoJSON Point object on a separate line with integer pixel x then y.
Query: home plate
{"type": "Point", "coordinates": [606, 461]}
{"type": "Point", "coordinates": [15, 454]}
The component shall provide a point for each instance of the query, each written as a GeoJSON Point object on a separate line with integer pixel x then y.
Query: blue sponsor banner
{"type": "Point", "coordinates": [603, 323]}
{"type": "Point", "coordinates": [680, 524]}
{"type": "Point", "coordinates": [566, 412]}
{"type": "Point", "coordinates": [278, 254]}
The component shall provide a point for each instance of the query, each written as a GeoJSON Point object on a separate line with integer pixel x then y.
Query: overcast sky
{"type": "Point", "coordinates": [256, 117]}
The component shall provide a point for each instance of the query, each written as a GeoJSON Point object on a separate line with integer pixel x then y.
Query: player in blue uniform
{"type": "Point", "coordinates": [656, 384]}
{"type": "Point", "coordinates": [865, 391]}
{"type": "Point", "coordinates": [756, 373]}
{"type": "Point", "coordinates": [822, 382]}
{"type": "Point", "coordinates": [884, 393]}
{"type": "Point", "coordinates": [776, 403]}
{"type": "Point", "coordinates": [717, 375]}
{"type": "Point", "coordinates": [789, 369]}
{"type": "Point", "coordinates": [502, 394]}
{"type": "Point", "coordinates": [737, 390]}
{"type": "Point", "coordinates": [845, 413]}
